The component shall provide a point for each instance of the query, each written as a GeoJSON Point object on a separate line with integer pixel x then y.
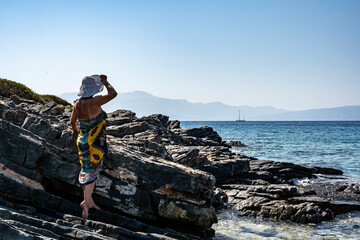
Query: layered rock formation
{"type": "Point", "coordinates": [39, 169]}
{"type": "Point", "coordinates": [158, 180]}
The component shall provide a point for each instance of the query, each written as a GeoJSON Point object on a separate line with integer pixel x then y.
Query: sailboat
{"type": "Point", "coordinates": [240, 120]}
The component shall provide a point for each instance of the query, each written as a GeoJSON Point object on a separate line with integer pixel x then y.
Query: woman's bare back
{"type": "Point", "coordinates": [86, 109]}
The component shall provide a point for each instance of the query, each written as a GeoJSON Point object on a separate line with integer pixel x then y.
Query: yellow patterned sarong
{"type": "Point", "coordinates": [92, 146]}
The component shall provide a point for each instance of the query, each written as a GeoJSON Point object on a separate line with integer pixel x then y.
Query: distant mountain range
{"type": "Point", "coordinates": [143, 104]}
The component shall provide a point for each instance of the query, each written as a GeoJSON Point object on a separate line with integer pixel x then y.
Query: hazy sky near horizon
{"type": "Point", "coordinates": [288, 54]}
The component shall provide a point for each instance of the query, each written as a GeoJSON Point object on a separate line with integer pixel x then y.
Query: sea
{"type": "Point", "coordinates": [334, 144]}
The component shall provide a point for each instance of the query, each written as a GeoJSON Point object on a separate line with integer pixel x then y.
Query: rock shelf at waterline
{"type": "Point", "coordinates": [159, 181]}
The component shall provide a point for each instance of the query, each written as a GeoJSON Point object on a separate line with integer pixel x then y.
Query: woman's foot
{"type": "Point", "coordinates": [85, 207]}
{"type": "Point", "coordinates": [93, 205]}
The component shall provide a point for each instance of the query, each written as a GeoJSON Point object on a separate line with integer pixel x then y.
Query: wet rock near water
{"type": "Point", "coordinates": [343, 196]}
{"type": "Point", "coordinates": [236, 144]}
{"type": "Point", "coordinates": [278, 202]}
{"type": "Point", "coordinates": [350, 188]}
{"type": "Point", "coordinates": [268, 191]}
{"type": "Point", "coordinates": [159, 181]}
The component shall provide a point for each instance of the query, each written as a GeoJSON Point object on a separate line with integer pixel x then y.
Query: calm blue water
{"type": "Point", "coordinates": [324, 144]}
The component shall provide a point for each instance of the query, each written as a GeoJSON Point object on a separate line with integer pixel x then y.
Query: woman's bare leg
{"type": "Point", "coordinates": [88, 201]}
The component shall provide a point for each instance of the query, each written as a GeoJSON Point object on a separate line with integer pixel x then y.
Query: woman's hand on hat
{"type": "Point", "coordinates": [103, 78]}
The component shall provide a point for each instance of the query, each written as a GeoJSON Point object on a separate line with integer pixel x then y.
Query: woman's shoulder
{"type": "Point", "coordinates": [76, 104]}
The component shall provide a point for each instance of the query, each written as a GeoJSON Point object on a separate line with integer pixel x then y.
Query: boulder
{"type": "Point", "coordinates": [203, 136]}
{"type": "Point", "coordinates": [173, 124]}
{"type": "Point", "coordinates": [130, 128]}
{"type": "Point", "coordinates": [160, 173]}
{"type": "Point", "coordinates": [16, 117]}
{"type": "Point", "coordinates": [48, 107]}
{"type": "Point", "coordinates": [278, 202]}
{"type": "Point", "coordinates": [288, 171]}
{"type": "Point", "coordinates": [236, 144]}
{"type": "Point", "coordinates": [19, 145]}
{"type": "Point", "coordinates": [226, 170]}
{"type": "Point", "coordinates": [120, 117]}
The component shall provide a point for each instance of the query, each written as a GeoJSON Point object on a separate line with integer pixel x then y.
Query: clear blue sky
{"type": "Point", "coordinates": [289, 54]}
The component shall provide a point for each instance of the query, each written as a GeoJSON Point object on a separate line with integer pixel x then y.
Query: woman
{"type": "Point", "coordinates": [91, 141]}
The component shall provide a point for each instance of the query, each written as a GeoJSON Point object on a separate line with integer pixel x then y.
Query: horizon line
{"type": "Point", "coordinates": [183, 99]}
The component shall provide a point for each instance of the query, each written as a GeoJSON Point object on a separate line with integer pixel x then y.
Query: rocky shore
{"type": "Point", "coordinates": [159, 181]}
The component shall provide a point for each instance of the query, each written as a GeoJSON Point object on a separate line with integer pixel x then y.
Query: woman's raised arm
{"type": "Point", "coordinates": [111, 93]}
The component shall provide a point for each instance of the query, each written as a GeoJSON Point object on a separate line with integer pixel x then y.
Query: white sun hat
{"type": "Point", "coordinates": [90, 86]}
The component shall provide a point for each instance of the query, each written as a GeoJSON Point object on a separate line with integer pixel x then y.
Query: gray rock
{"type": "Point", "coordinates": [17, 100]}
{"type": "Point", "coordinates": [15, 116]}
{"type": "Point", "coordinates": [203, 136]}
{"type": "Point", "coordinates": [9, 232]}
{"type": "Point", "coordinates": [127, 129]}
{"type": "Point", "coordinates": [226, 170]}
{"type": "Point", "coordinates": [51, 166]}
{"type": "Point", "coordinates": [236, 144]}
{"type": "Point", "coordinates": [120, 117]}
{"type": "Point", "coordinates": [173, 124]}
{"type": "Point", "coordinates": [160, 172]}
{"type": "Point", "coordinates": [20, 145]}
{"type": "Point", "coordinates": [40, 127]}
{"type": "Point", "coordinates": [186, 155]}
{"type": "Point", "coordinates": [24, 171]}
{"type": "Point", "coordinates": [289, 171]}
{"type": "Point", "coordinates": [157, 120]}
{"type": "Point", "coordinates": [48, 107]}
{"type": "Point", "coordinates": [57, 110]}
{"type": "Point", "coordinates": [65, 225]}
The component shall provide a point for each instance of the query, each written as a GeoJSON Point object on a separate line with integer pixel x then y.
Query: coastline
{"type": "Point", "coordinates": [327, 144]}
{"type": "Point", "coordinates": [343, 226]}
{"type": "Point", "coordinates": [158, 178]}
